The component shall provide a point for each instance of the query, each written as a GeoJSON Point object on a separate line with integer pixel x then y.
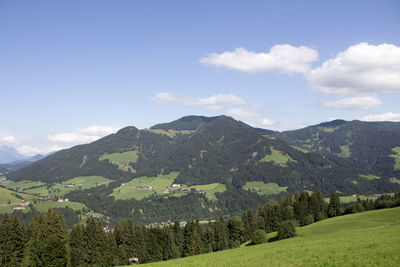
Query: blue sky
{"type": "Point", "coordinates": [73, 71]}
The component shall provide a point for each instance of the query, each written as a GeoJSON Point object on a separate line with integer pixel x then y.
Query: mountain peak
{"type": "Point", "coordinates": [9, 154]}
{"type": "Point", "coordinates": [186, 123]}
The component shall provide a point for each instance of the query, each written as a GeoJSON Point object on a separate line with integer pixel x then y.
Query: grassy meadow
{"type": "Point", "coordinates": [129, 190]}
{"type": "Point", "coordinates": [265, 189]}
{"type": "Point", "coordinates": [277, 157]}
{"type": "Point", "coordinates": [77, 183]}
{"type": "Point", "coordinates": [396, 157]}
{"type": "Point", "coordinates": [364, 239]}
{"type": "Point", "coordinates": [122, 160]}
{"type": "Point", "coordinates": [369, 176]}
{"type": "Point", "coordinates": [348, 199]}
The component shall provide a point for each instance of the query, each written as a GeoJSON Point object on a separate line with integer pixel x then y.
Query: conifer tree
{"type": "Point", "coordinates": [192, 234]}
{"type": "Point", "coordinates": [334, 207]}
{"type": "Point", "coordinates": [48, 241]}
{"type": "Point", "coordinates": [12, 241]}
{"type": "Point", "coordinates": [236, 231]}
{"type": "Point", "coordinates": [221, 234]}
{"type": "Point", "coordinates": [77, 243]}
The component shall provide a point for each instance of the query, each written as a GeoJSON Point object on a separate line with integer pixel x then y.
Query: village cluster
{"type": "Point", "coordinates": [175, 188]}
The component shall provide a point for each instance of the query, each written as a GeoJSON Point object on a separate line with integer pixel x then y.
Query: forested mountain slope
{"type": "Point", "coordinates": [237, 167]}
{"type": "Point", "coordinates": [372, 146]}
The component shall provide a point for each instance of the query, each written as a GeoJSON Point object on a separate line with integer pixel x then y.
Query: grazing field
{"type": "Point", "coordinates": [396, 157]}
{"type": "Point", "coordinates": [122, 160]}
{"type": "Point", "coordinates": [171, 133]}
{"type": "Point", "coordinates": [8, 195]}
{"type": "Point", "coordinates": [210, 189]}
{"type": "Point", "coordinates": [77, 183]}
{"type": "Point", "coordinates": [129, 156]}
{"type": "Point", "coordinates": [277, 157]}
{"type": "Point", "coordinates": [264, 189]}
{"type": "Point", "coordinates": [159, 184]}
{"type": "Point", "coordinates": [348, 199]}
{"type": "Point", "coordinates": [369, 176]}
{"type": "Point", "coordinates": [364, 239]}
{"type": "Point", "coordinates": [26, 184]}
{"type": "Point", "coordinates": [300, 149]}
{"type": "Point", "coordinates": [394, 180]}
{"type": "Point", "coordinates": [43, 206]}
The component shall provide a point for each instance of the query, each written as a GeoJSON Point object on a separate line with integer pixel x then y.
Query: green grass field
{"type": "Point", "coordinates": [129, 156]}
{"type": "Point", "coordinates": [210, 189]}
{"type": "Point", "coordinates": [345, 152]}
{"type": "Point", "coordinates": [363, 239]}
{"type": "Point", "coordinates": [171, 133]}
{"type": "Point", "coordinates": [369, 176]}
{"type": "Point", "coordinates": [394, 180]}
{"type": "Point", "coordinates": [77, 183]}
{"type": "Point", "coordinates": [122, 160]}
{"type": "Point", "coordinates": [278, 157]}
{"type": "Point", "coordinates": [264, 189]}
{"type": "Point", "coordinates": [300, 149]}
{"type": "Point", "coordinates": [43, 206]}
{"type": "Point", "coordinates": [348, 199]}
{"type": "Point", "coordinates": [129, 190]}
{"type": "Point", "coordinates": [396, 157]}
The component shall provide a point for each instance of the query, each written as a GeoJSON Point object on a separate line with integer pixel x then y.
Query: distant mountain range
{"type": "Point", "coordinates": [219, 152]}
{"type": "Point", "coordinates": [11, 160]}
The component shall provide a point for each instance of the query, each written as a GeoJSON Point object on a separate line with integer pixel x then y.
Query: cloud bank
{"type": "Point", "coordinates": [283, 58]}
{"type": "Point", "coordinates": [363, 102]}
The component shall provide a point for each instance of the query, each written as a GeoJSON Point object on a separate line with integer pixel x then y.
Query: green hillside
{"type": "Point", "coordinates": [364, 239]}
{"type": "Point", "coordinates": [206, 152]}
{"type": "Point", "coordinates": [372, 146]}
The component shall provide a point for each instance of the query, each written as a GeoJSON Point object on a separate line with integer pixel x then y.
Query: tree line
{"type": "Point", "coordinates": [47, 241]}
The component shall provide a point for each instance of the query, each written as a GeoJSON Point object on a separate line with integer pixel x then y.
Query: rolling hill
{"type": "Point", "coordinates": [364, 239]}
{"type": "Point", "coordinates": [371, 146]}
{"type": "Point", "coordinates": [247, 165]}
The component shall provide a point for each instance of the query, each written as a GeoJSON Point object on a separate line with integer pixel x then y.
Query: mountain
{"type": "Point", "coordinates": [371, 146]}
{"type": "Point", "coordinates": [9, 154]}
{"type": "Point", "coordinates": [237, 166]}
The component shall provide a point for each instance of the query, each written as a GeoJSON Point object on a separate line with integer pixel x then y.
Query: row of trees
{"type": "Point", "coordinates": [46, 241]}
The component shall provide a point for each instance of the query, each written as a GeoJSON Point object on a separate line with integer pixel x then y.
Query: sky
{"type": "Point", "coordinates": [74, 71]}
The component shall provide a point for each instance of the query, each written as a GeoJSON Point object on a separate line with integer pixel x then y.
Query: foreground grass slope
{"type": "Point", "coordinates": [364, 239]}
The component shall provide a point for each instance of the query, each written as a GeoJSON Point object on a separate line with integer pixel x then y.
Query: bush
{"type": "Point", "coordinates": [259, 237]}
{"type": "Point", "coordinates": [286, 230]}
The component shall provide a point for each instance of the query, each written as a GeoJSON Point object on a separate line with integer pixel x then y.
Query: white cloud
{"type": "Point", "coordinates": [83, 135]}
{"type": "Point", "coordinates": [360, 70]}
{"type": "Point", "coordinates": [28, 150]}
{"type": "Point", "coordinates": [283, 58]}
{"type": "Point", "coordinates": [8, 139]}
{"type": "Point", "coordinates": [243, 113]}
{"type": "Point", "coordinates": [268, 122]}
{"type": "Point", "coordinates": [214, 100]}
{"type": "Point", "coordinates": [72, 138]}
{"type": "Point", "coordinates": [164, 98]}
{"type": "Point", "coordinates": [362, 102]}
{"type": "Point", "coordinates": [98, 130]}
{"type": "Point", "coordinates": [389, 116]}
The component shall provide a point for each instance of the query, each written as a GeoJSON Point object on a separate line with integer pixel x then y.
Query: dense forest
{"type": "Point", "coordinates": [47, 241]}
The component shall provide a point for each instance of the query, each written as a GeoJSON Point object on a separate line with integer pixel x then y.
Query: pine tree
{"type": "Point", "coordinates": [221, 234]}
{"type": "Point", "coordinates": [77, 243]}
{"type": "Point", "coordinates": [334, 207]}
{"type": "Point", "coordinates": [96, 243]}
{"type": "Point", "coordinates": [236, 231]}
{"type": "Point", "coordinates": [48, 241]}
{"type": "Point", "coordinates": [192, 234]}
{"type": "Point", "coordinates": [12, 241]}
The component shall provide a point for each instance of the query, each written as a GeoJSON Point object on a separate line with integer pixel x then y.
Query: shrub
{"type": "Point", "coordinates": [286, 230]}
{"type": "Point", "coordinates": [259, 237]}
